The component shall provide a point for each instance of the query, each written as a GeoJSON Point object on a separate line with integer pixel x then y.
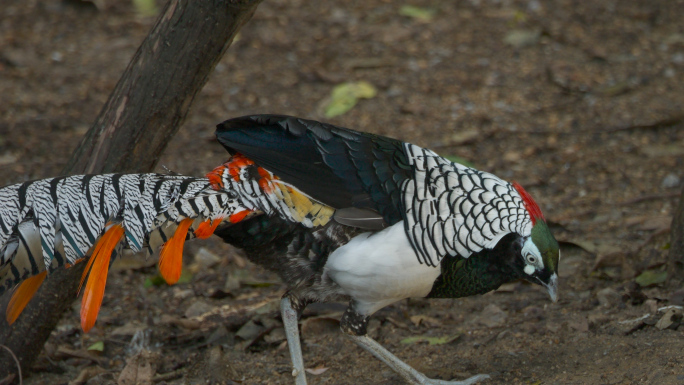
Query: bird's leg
{"type": "Point", "coordinates": [290, 322]}
{"type": "Point", "coordinates": [354, 325]}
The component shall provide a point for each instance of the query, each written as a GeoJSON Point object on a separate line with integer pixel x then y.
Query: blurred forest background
{"type": "Point", "coordinates": [580, 102]}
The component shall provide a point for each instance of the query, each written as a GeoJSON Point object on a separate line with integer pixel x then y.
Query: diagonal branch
{"type": "Point", "coordinates": [676, 258]}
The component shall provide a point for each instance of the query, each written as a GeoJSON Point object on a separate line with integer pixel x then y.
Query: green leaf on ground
{"type": "Point", "coordinates": [519, 17]}
{"type": "Point", "coordinates": [345, 96]}
{"type": "Point", "coordinates": [651, 277]}
{"type": "Point", "coordinates": [185, 276]}
{"type": "Point", "coordinates": [97, 346]}
{"type": "Point", "coordinates": [146, 8]}
{"type": "Point", "coordinates": [418, 13]}
{"type": "Point", "coordinates": [158, 280]}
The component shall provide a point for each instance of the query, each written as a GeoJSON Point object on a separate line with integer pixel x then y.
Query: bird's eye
{"type": "Point", "coordinates": [531, 259]}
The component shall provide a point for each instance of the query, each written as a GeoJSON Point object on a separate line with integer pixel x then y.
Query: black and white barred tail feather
{"type": "Point", "coordinates": [54, 222]}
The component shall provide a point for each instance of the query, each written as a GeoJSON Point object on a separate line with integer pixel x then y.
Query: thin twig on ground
{"type": "Point", "coordinates": [21, 380]}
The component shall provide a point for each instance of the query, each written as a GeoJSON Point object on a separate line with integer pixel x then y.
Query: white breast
{"type": "Point", "coordinates": [377, 269]}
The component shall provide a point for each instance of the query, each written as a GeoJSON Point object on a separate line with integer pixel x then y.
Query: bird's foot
{"type": "Point", "coordinates": [409, 374]}
{"type": "Point", "coordinates": [468, 381]}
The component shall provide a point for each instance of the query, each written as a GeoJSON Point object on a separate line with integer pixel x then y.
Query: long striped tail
{"type": "Point", "coordinates": [52, 223]}
{"type": "Point", "coordinates": [58, 222]}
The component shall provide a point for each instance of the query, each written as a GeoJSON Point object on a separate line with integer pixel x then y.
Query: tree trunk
{"type": "Point", "coordinates": [144, 111]}
{"type": "Point", "coordinates": [676, 260]}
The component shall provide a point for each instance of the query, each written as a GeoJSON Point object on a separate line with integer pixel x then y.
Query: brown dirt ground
{"type": "Point", "coordinates": [587, 114]}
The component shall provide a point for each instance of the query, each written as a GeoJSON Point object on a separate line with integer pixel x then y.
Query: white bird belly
{"type": "Point", "coordinates": [377, 269]}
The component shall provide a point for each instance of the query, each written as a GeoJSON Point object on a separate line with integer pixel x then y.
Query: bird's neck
{"type": "Point", "coordinates": [466, 277]}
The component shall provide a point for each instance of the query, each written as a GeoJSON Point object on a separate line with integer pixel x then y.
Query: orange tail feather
{"type": "Point", "coordinates": [237, 217]}
{"type": "Point", "coordinates": [171, 256]}
{"type": "Point", "coordinates": [206, 228]}
{"type": "Point", "coordinates": [22, 296]}
{"type": "Point", "coordinates": [98, 265]}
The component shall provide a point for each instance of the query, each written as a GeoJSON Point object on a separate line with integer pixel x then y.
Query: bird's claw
{"type": "Point", "coordinates": [468, 381]}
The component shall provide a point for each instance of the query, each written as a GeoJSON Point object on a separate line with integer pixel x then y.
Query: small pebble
{"type": "Point", "coordinates": [249, 331]}
{"type": "Point", "coordinates": [677, 298]}
{"type": "Point", "coordinates": [198, 308]}
{"type": "Point", "coordinates": [205, 258]}
{"type": "Point", "coordinates": [670, 181]}
{"type": "Point", "coordinates": [608, 297]}
{"type": "Point", "coordinates": [57, 56]}
{"type": "Point", "coordinates": [493, 316]}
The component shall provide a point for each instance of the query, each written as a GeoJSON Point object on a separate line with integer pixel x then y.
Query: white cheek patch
{"type": "Point", "coordinates": [529, 248]}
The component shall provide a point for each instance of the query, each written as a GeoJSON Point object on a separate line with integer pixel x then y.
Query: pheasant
{"type": "Point", "coordinates": [340, 215]}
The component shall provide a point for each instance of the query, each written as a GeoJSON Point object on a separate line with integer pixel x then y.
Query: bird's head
{"type": "Point", "coordinates": [539, 252]}
{"type": "Point", "coordinates": [539, 255]}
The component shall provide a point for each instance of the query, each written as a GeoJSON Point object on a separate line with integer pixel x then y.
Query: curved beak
{"type": "Point", "coordinates": [552, 287]}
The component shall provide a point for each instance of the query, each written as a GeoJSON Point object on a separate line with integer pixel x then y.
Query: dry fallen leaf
{"type": "Point", "coordinates": [522, 38]}
{"type": "Point", "coordinates": [649, 222]}
{"type": "Point", "coordinates": [190, 324]}
{"type": "Point", "coordinates": [9, 379]}
{"type": "Point", "coordinates": [138, 370]}
{"type": "Point", "coordinates": [492, 316]}
{"type": "Point", "coordinates": [128, 329]}
{"type": "Point", "coordinates": [425, 320]}
{"type": "Point", "coordinates": [596, 246]}
{"type": "Point", "coordinates": [317, 370]}
{"type": "Point", "coordinates": [329, 323]}
{"type": "Point", "coordinates": [86, 374]}
{"type": "Point", "coordinates": [65, 351]}
{"type": "Point", "coordinates": [672, 315]}
{"type": "Point", "coordinates": [197, 308]}
{"type": "Point", "coordinates": [580, 324]}
{"type": "Point", "coordinates": [430, 340]}
{"type": "Point", "coordinates": [8, 158]}
{"type": "Point", "coordinates": [465, 136]}
{"type": "Point", "coordinates": [508, 287]}
{"type": "Point", "coordinates": [130, 261]}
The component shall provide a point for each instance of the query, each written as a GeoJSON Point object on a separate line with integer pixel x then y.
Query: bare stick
{"type": "Point", "coordinates": [676, 258]}
{"type": "Point", "coordinates": [16, 360]}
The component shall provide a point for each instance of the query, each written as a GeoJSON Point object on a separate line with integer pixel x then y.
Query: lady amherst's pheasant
{"type": "Point", "coordinates": [338, 214]}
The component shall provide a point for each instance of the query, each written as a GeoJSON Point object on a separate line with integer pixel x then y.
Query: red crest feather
{"type": "Point", "coordinates": [530, 204]}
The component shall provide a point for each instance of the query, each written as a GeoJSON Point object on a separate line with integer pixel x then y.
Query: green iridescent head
{"type": "Point", "coordinates": [540, 250]}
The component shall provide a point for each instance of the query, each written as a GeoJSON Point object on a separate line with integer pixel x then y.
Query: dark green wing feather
{"type": "Point", "coordinates": [337, 166]}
